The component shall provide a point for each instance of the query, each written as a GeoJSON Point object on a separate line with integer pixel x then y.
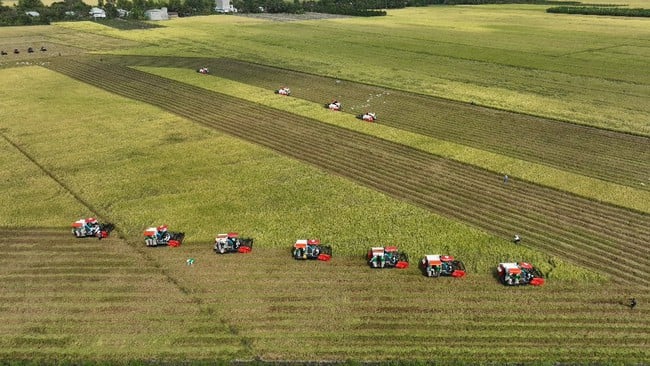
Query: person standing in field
{"type": "Point", "coordinates": [632, 303]}
{"type": "Point", "coordinates": [505, 178]}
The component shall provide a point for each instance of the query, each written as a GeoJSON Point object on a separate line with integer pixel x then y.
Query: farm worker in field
{"type": "Point", "coordinates": [632, 303]}
{"type": "Point", "coordinates": [516, 239]}
{"type": "Point", "coordinates": [505, 178]}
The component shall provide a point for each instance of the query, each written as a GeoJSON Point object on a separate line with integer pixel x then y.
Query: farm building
{"type": "Point", "coordinates": [224, 6]}
{"type": "Point", "coordinates": [157, 14]}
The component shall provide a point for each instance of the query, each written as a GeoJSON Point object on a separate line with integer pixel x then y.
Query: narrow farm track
{"type": "Point", "coordinates": [608, 155]}
{"type": "Point", "coordinates": [609, 239]}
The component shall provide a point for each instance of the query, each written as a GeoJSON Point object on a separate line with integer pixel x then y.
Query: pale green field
{"type": "Point", "coordinates": [589, 70]}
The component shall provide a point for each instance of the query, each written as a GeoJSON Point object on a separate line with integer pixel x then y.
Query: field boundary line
{"type": "Point", "coordinates": [245, 342]}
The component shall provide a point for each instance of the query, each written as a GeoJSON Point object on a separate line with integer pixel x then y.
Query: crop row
{"type": "Point", "coordinates": [603, 237]}
{"type": "Point", "coordinates": [607, 155]}
{"type": "Point", "coordinates": [268, 306]}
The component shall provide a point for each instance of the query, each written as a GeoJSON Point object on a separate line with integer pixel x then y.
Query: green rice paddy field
{"type": "Point", "coordinates": [118, 125]}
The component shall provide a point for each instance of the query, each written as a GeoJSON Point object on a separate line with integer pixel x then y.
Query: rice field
{"type": "Point", "coordinates": [134, 136]}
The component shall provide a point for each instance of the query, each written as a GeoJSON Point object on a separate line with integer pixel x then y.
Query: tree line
{"type": "Point", "coordinates": [71, 10]}
{"type": "Point", "coordinates": [600, 10]}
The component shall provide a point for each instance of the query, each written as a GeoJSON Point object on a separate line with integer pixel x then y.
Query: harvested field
{"type": "Point", "coordinates": [608, 239]}
{"type": "Point", "coordinates": [608, 155]}
{"type": "Point", "coordinates": [64, 296]}
{"type": "Point", "coordinates": [69, 297]}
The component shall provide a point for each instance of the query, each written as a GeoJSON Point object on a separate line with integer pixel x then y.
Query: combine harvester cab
{"type": "Point", "coordinates": [368, 117]}
{"type": "Point", "coordinates": [517, 274]}
{"type": "Point", "coordinates": [159, 236]}
{"type": "Point", "coordinates": [435, 265]}
{"type": "Point", "coordinates": [232, 243]}
{"type": "Point", "coordinates": [283, 91]}
{"type": "Point", "coordinates": [88, 227]}
{"type": "Point", "coordinates": [387, 257]}
{"type": "Point", "coordinates": [334, 106]}
{"type": "Point", "coordinates": [311, 249]}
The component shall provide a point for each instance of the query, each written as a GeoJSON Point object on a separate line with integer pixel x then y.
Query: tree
{"type": "Point", "coordinates": [174, 5]}
{"type": "Point", "coordinates": [124, 4]}
{"type": "Point", "coordinates": [29, 4]}
{"type": "Point", "coordinates": [111, 10]}
{"type": "Point", "coordinates": [199, 6]}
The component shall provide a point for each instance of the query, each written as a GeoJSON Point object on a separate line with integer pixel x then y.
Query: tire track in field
{"type": "Point", "coordinates": [613, 241]}
{"type": "Point", "coordinates": [111, 287]}
{"type": "Point", "coordinates": [245, 343]}
{"type": "Point", "coordinates": [608, 155]}
{"type": "Point", "coordinates": [410, 313]}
